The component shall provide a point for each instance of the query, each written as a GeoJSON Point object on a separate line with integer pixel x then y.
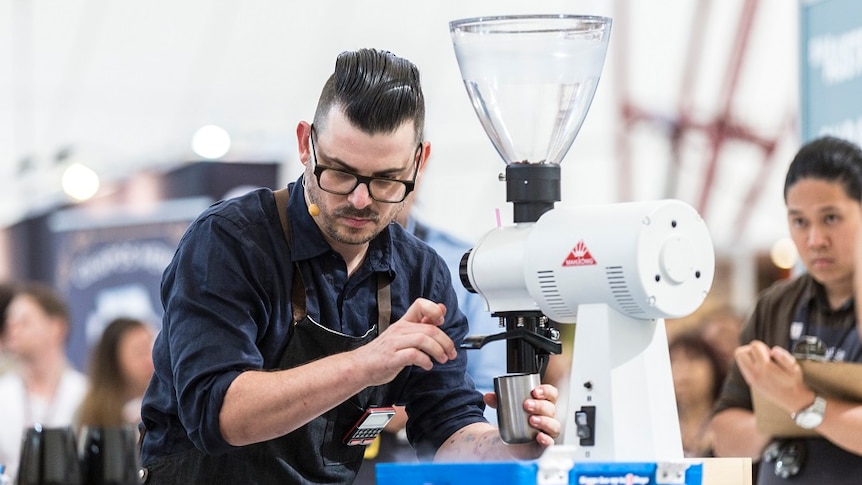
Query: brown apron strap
{"type": "Point", "coordinates": [281, 198]}
{"type": "Point", "coordinates": [297, 290]}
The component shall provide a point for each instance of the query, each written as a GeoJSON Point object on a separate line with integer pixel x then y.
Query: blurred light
{"type": "Point", "coordinates": [80, 182]}
{"type": "Point", "coordinates": [211, 142]}
{"type": "Point", "coordinates": [784, 254]}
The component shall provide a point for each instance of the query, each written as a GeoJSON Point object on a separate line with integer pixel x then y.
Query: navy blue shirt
{"type": "Point", "coordinates": [226, 296]}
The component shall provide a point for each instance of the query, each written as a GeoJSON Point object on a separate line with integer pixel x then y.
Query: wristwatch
{"type": "Point", "coordinates": [812, 416]}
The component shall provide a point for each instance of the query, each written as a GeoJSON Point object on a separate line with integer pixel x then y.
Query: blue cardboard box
{"type": "Point", "coordinates": [525, 473]}
{"type": "Point", "coordinates": [486, 473]}
{"type": "Point", "coordinates": [635, 474]}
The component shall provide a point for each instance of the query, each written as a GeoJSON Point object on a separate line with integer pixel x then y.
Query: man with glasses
{"type": "Point", "coordinates": [295, 319]}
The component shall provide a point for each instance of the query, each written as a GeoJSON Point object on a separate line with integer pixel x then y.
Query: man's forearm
{"type": "Point", "coordinates": [736, 435]}
{"type": "Point", "coordinates": [482, 442]}
{"type": "Point", "coordinates": [842, 424]}
{"type": "Point", "coordinates": [262, 405]}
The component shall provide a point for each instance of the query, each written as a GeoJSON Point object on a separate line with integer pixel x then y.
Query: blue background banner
{"type": "Point", "coordinates": [831, 69]}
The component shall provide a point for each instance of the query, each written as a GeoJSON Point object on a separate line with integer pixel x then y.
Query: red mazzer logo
{"type": "Point", "coordinates": [579, 256]}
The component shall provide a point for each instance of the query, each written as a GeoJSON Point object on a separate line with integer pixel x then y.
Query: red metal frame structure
{"type": "Point", "coordinates": [720, 130]}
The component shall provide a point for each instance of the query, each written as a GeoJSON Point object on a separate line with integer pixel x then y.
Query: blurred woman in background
{"type": "Point", "coordinates": [698, 373]}
{"type": "Point", "coordinates": [121, 365]}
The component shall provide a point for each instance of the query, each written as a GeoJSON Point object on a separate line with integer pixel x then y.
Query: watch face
{"type": "Point", "coordinates": [812, 416]}
{"type": "Point", "coordinates": [809, 419]}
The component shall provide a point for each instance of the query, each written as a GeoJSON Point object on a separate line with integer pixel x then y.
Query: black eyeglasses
{"type": "Point", "coordinates": [381, 189]}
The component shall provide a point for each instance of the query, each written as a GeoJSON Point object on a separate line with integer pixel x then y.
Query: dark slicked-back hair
{"type": "Point", "coordinates": [829, 159]}
{"type": "Point", "coordinates": [376, 90]}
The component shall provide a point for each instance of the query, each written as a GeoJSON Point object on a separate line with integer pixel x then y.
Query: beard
{"type": "Point", "coordinates": [329, 219]}
{"type": "Point", "coordinates": [345, 234]}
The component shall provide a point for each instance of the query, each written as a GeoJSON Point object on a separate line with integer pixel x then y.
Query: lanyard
{"type": "Point", "coordinates": [839, 344]}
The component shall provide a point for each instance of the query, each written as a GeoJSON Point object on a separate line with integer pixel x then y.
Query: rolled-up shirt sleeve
{"type": "Point", "coordinates": [216, 310]}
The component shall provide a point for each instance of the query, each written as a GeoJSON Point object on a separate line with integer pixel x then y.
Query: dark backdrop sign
{"type": "Point", "coordinates": [110, 265]}
{"type": "Point", "coordinates": [106, 255]}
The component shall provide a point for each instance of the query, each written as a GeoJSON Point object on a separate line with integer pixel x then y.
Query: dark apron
{"type": "Point", "coordinates": [314, 453]}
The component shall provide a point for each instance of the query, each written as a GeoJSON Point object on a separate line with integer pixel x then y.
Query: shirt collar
{"type": "Point", "coordinates": [815, 293]}
{"type": "Point", "coordinates": [307, 242]}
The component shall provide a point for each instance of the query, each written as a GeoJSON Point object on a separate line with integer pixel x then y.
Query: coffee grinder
{"type": "Point", "coordinates": [614, 270]}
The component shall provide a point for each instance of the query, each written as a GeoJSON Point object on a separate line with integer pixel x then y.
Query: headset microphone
{"type": "Point", "coordinates": [314, 210]}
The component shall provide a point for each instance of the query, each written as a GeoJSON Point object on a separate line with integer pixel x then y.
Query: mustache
{"type": "Point", "coordinates": [354, 213]}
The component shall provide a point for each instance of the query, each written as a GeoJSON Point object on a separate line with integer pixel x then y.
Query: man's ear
{"type": "Point", "coordinates": [303, 135]}
{"type": "Point", "coordinates": [426, 154]}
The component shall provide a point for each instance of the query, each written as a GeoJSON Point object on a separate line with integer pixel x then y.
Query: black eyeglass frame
{"type": "Point", "coordinates": [409, 185]}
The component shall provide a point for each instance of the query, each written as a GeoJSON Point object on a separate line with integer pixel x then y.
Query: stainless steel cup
{"type": "Point", "coordinates": [513, 420]}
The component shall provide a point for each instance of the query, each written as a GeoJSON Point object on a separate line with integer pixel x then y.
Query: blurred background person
{"type": "Point", "coordinates": [698, 373]}
{"type": "Point", "coordinates": [823, 193]}
{"type": "Point", "coordinates": [120, 368]}
{"type": "Point", "coordinates": [42, 387]}
{"type": "Point", "coordinates": [721, 328]}
{"type": "Point", "coordinates": [7, 290]}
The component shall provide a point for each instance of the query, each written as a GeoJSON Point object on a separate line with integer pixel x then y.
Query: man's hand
{"type": "Point", "coordinates": [415, 339]}
{"type": "Point", "coordinates": [250, 415]}
{"type": "Point", "coordinates": [542, 409]}
{"type": "Point", "coordinates": [543, 414]}
{"type": "Point", "coordinates": [481, 441]}
{"type": "Point", "coordinates": [775, 373]}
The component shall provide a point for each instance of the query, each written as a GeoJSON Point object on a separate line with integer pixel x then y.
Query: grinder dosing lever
{"type": "Point", "coordinates": [543, 345]}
